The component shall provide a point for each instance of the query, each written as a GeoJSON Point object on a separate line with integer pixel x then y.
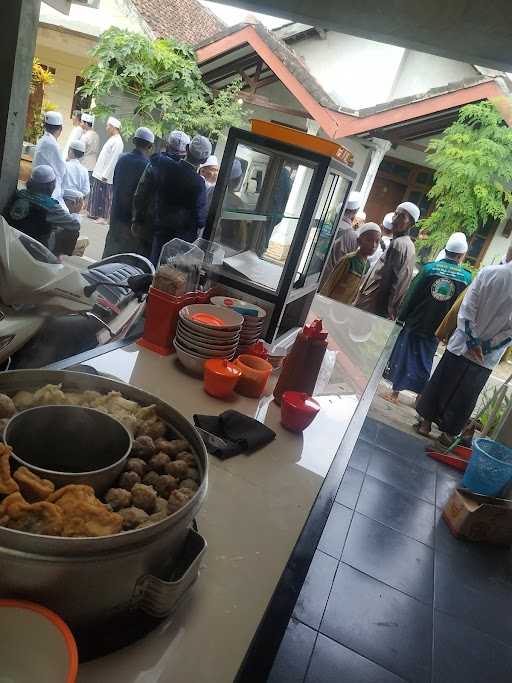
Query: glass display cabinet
{"type": "Point", "coordinates": [275, 210]}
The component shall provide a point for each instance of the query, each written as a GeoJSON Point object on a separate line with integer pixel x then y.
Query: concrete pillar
{"type": "Point", "coordinates": [377, 155]}
{"type": "Point", "coordinates": [18, 30]}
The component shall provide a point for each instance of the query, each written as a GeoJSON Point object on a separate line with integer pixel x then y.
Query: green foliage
{"type": "Point", "coordinates": [135, 66]}
{"type": "Point", "coordinates": [473, 171]}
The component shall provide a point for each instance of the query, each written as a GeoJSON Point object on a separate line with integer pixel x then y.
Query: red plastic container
{"type": "Point", "coordinates": [458, 458]}
{"type": "Point", "coordinates": [220, 377]}
{"type": "Point", "coordinates": [298, 410]}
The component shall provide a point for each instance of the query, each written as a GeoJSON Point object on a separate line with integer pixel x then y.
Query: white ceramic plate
{"type": "Point", "coordinates": [209, 332]}
{"type": "Point", "coordinates": [204, 351]}
{"type": "Point", "coordinates": [206, 340]}
{"type": "Point", "coordinates": [221, 301]}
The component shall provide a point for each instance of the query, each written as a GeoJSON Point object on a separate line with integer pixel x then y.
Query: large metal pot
{"type": "Point", "coordinates": [86, 580]}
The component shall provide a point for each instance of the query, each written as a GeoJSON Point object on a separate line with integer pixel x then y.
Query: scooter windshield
{"type": "Point", "coordinates": [37, 250]}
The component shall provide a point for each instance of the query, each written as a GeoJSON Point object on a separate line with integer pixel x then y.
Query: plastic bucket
{"type": "Point", "coordinates": [489, 469]}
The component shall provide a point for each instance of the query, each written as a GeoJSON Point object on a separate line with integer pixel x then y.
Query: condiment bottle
{"type": "Point", "coordinates": [302, 365]}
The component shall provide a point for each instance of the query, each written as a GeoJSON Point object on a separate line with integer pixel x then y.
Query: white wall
{"type": "Point", "coordinates": [420, 72]}
{"type": "Point", "coordinates": [355, 72]}
{"type": "Point", "coordinates": [499, 244]}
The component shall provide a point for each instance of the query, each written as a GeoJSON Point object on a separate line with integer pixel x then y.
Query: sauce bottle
{"type": "Point", "coordinates": [302, 365]}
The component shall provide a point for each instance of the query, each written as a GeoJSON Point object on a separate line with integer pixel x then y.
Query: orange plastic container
{"type": "Point", "coordinates": [255, 374]}
{"type": "Point", "coordinates": [220, 377]}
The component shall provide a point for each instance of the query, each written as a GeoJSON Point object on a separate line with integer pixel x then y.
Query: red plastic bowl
{"type": "Point", "coordinates": [298, 410]}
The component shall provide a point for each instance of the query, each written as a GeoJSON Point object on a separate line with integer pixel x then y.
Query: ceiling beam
{"type": "Point", "coordinates": [265, 103]}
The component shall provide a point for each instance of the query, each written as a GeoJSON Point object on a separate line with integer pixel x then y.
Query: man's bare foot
{"type": "Point", "coordinates": [391, 396]}
{"type": "Point", "coordinates": [101, 221]}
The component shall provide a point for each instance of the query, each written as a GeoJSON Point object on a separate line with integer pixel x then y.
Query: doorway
{"type": "Point", "coordinates": [384, 197]}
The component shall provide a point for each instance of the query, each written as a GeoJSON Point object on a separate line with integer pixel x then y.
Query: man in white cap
{"type": "Point", "coordinates": [34, 212]}
{"type": "Point", "coordinates": [127, 174]}
{"type": "Point", "coordinates": [100, 199]}
{"type": "Point", "coordinates": [431, 295]}
{"type": "Point", "coordinates": [345, 280]}
{"type": "Point", "coordinates": [345, 241]}
{"type": "Point", "coordinates": [76, 177]}
{"type": "Point", "coordinates": [91, 140]}
{"type": "Point", "coordinates": [385, 286]}
{"type": "Point", "coordinates": [177, 142]}
{"type": "Point", "coordinates": [483, 334]}
{"type": "Point", "coordinates": [210, 172]}
{"type": "Point", "coordinates": [386, 228]}
{"type": "Point", "coordinates": [47, 151]}
{"type": "Point", "coordinates": [76, 131]}
{"type": "Point", "coordinates": [176, 195]}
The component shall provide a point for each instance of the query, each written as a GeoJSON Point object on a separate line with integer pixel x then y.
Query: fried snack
{"type": "Point", "coordinates": [68, 496]}
{"type": "Point", "coordinates": [151, 478]}
{"type": "Point", "coordinates": [178, 499]}
{"type": "Point", "coordinates": [90, 520]}
{"type": "Point", "coordinates": [37, 518]}
{"type": "Point", "coordinates": [23, 400]}
{"type": "Point", "coordinates": [51, 394]}
{"type": "Point", "coordinates": [12, 498]}
{"type": "Point", "coordinates": [128, 480]}
{"type": "Point", "coordinates": [171, 447]}
{"type": "Point", "coordinates": [144, 497]}
{"type": "Point", "coordinates": [7, 483]}
{"type": "Point", "coordinates": [149, 424]}
{"type": "Point", "coordinates": [3, 425]}
{"type": "Point", "coordinates": [190, 459]}
{"type": "Point", "coordinates": [158, 462]}
{"type": "Point", "coordinates": [33, 487]}
{"type": "Point", "coordinates": [178, 469]}
{"type": "Point", "coordinates": [160, 506]}
{"type": "Point", "coordinates": [136, 465]}
{"type": "Point", "coordinates": [132, 517]}
{"type": "Point", "coordinates": [118, 499]}
{"type": "Point", "coordinates": [189, 484]}
{"type": "Point", "coordinates": [7, 407]}
{"type": "Point", "coordinates": [165, 485]}
{"type": "Point", "coordinates": [143, 447]}
{"type": "Point", "coordinates": [193, 473]}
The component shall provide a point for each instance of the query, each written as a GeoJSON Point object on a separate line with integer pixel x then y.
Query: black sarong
{"type": "Point", "coordinates": [451, 394]}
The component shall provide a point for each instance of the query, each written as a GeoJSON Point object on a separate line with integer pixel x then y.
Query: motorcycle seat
{"type": "Point", "coordinates": [110, 300]}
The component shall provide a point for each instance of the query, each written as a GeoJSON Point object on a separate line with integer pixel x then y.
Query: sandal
{"type": "Point", "coordinates": [418, 430]}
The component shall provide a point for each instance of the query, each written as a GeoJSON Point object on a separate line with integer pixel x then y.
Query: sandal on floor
{"type": "Point", "coordinates": [445, 443]}
{"type": "Point", "coordinates": [417, 429]}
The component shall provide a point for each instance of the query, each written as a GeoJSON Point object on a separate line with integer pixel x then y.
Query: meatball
{"type": "Point", "coordinates": [178, 469]}
{"type": "Point", "coordinates": [128, 480]}
{"type": "Point", "coordinates": [136, 465]}
{"type": "Point", "coordinates": [144, 497]}
{"type": "Point", "coordinates": [132, 517]}
{"type": "Point", "coordinates": [193, 473]}
{"type": "Point", "coordinates": [118, 498]}
{"type": "Point", "coordinates": [171, 447]}
{"type": "Point", "coordinates": [158, 462]}
{"type": "Point", "coordinates": [187, 457]}
{"type": "Point", "coordinates": [177, 500]}
{"type": "Point", "coordinates": [3, 425]}
{"type": "Point", "coordinates": [151, 478]}
{"type": "Point", "coordinates": [189, 484]}
{"type": "Point", "coordinates": [165, 485]}
{"type": "Point", "coordinates": [154, 428]}
{"type": "Point", "coordinates": [154, 518]}
{"type": "Point", "coordinates": [7, 407]}
{"type": "Point", "coordinates": [160, 506]}
{"type": "Point", "coordinates": [143, 447]}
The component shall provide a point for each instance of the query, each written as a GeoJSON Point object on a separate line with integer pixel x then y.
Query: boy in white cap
{"type": "Point", "coordinates": [47, 151]}
{"type": "Point", "coordinates": [127, 174]}
{"type": "Point", "coordinates": [76, 177]}
{"type": "Point", "coordinates": [210, 172]}
{"type": "Point", "coordinates": [174, 194]}
{"type": "Point", "coordinates": [345, 280]}
{"type": "Point", "coordinates": [177, 142]}
{"type": "Point", "coordinates": [431, 295]}
{"type": "Point", "coordinates": [100, 199]}
{"type": "Point", "coordinates": [34, 212]}
{"type": "Point", "coordinates": [91, 140]}
{"type": "Point", "coordinates": [385, 286]}
{"type": "Point", "coordinates": [386, 228]}
{"type": "Point", "coordinates": [345, 241]}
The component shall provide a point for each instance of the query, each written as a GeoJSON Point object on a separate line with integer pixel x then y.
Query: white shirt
{"type": "Point", "coordinates": [107, 160]}
{"type": "Point", "coordinates": [487, 306]}
{"type": "Point", "coordinates": [91, 140]}
{"type": "Point", "coordinates": [48, 152]}
{"type": "Point", "coordinates": [76, 134]}
{"type": "Point", "coordinates": [372, 260]}
{"type": "Point", "coordinates": [76, 177]}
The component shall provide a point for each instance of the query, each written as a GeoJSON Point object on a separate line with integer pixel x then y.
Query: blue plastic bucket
{"type": "Point", "coordinates": [489, 469]}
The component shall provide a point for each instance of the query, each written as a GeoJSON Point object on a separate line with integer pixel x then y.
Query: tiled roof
{"type": "Point", "coordinates": [186, 20]}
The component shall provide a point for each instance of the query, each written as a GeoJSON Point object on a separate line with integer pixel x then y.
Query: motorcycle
{"type": "Point", "coordinates": [51, 310]}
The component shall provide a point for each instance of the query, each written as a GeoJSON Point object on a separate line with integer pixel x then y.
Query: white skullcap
{"type": "Point", "coordinates": [211, 161]}
{"type": "Point", "coordinates": [145, 134]}
{"type": "Point", "coordinates": [200, 148]}
{"type": "Point", "coordinates": [354, 201]}
{"type": "Point", "coordinates": [236, 169]}
{"type": "Point", "coordinates": [79, 145]}
{"type": "Point", "coordinates": [88, 118]}
{"type": "Point", "coordinates": [367, 227]}
{"type": "Point", "coordinates": [112, 121]}
{"type": "Point", "coordinates": [177, 140]}
{"type": "Point", "coordinates": [43, 174]}
{"type": "Point", "coordinates": [411, 209]}
{"type": "Point", "coordinates": [71, 193]}
{"type": "Point", "coordinates": [54, 118]}
{"type": "Point", "coordinates": [457, 243]}
{"type": "Point", "coordinates": [361, 216]}
{"type": "Point", "coordinates": [388, 220]}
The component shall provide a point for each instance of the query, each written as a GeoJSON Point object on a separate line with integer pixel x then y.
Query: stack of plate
{"type": "Point", "coordinates": [205, 331]}
{"type": "Point", "coordinates": [254, 319]}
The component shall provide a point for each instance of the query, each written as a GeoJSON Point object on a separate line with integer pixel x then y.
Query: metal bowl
{"type": "Point", "coordinates": [70, 445]}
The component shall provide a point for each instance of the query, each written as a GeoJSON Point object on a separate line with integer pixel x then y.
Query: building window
{"type": "Point", "coordinates": [80, 101]}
